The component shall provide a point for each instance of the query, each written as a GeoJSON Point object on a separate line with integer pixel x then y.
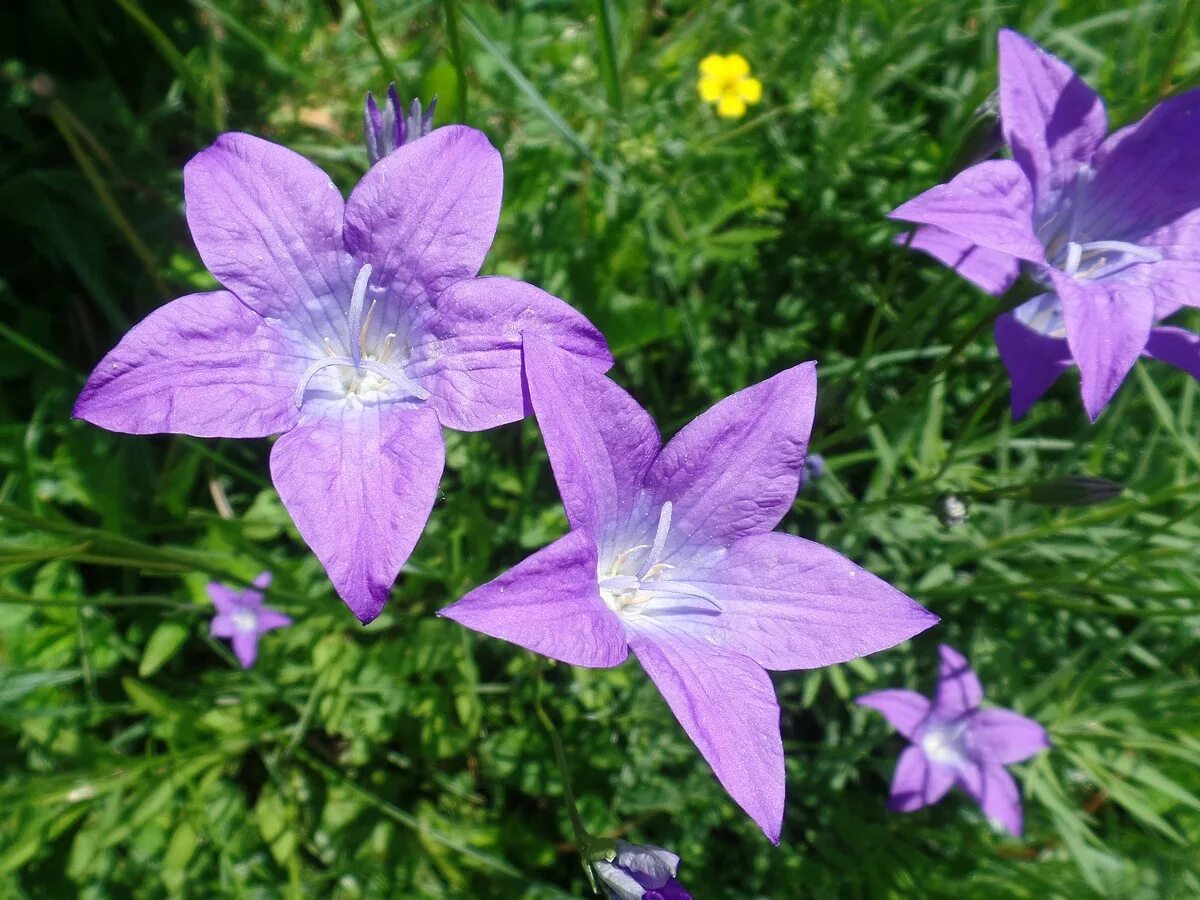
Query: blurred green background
{"type": "Point", "coordinates": [406, 759]}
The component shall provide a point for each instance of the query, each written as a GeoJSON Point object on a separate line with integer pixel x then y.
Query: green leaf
{"type": "Point", "coordinates": [163, 644]}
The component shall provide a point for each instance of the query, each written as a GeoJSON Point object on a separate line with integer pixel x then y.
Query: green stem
{"type": "Point", "coordinates": [454, 39]}
{"type": "Point", "coordinates": [608, 56]}
{"type": "Point", "coordinates": [582, 838]}
{"type": "Point", "coordinates": [385, 65]}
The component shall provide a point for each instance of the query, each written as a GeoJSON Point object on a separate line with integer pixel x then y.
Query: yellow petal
{"type": "Point", "coordinates": [713, 66]}
{"type": "Point", "coordinates": [731, 107]}
{"type": "Point", "coordinates": [711, 88]}
{"type": "Point", "coordinates": [750, 90]}
{"type": "Point", "coordinates": [736, 66]}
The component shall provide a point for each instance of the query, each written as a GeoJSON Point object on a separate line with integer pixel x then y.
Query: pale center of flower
{"type": "Point", "coordinates": [1044, 314]}
{"type": "Point", "coordinates": [245, 621]}
{"type": "Point", "coordinates": [368, 371]}
{"type": "Point", "coordinates": [1085, 260]}
{"type": "Point", "coordinates": [1094, 260]}
{"type": "Point", "coordinates": [637, 582]}
{"type": "Point", "coordinates": [945, 744]}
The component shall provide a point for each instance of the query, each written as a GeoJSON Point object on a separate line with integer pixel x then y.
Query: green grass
{"type": "Point", "coordinates": [407, 759]}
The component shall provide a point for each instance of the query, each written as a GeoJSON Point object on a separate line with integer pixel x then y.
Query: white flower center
{"type": "Point", "coordinates": [245, 621]}
{"type": "Point", "coordinates": [630, 592]}
{"type": "Point", "coordinates": [945, 744]}
{"type": "Point", "coordinates": [370, 372]}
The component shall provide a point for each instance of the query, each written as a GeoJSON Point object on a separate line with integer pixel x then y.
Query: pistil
{"type": "Point", "coordinates": [356, 336]}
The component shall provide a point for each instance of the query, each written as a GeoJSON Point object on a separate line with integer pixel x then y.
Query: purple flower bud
{"type": "Point", "coordinates": [389, 128]}
{"type": "Point", "coordinates": [640, 873]}
{"type": "Point", "coordinates": [814, 467]}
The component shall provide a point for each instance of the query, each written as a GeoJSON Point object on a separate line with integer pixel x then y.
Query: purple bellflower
{"type": "Point", "coordinates": [672, 554]}
{"type": "Point", "coordinates": [355, 329]}
{"type": "Point", "coordinates": [640, 873]}
{"type": "Point", "coordinates": [243, 619]}
{"type": "Point", "coordinates": [389, 128]}
{"type": "Point", "coordinates": [1109, 226]}
{"type": "Point", "coordinates": [954, 742]}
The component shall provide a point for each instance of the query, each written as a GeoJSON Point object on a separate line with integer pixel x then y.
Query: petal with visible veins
{"type": "Point", "coordinates": [726, 704]}
{"type": "Point", "coordinates": [360, 486]}
{"type": "Point", "coordinates": [989, 204]}
{"type": "Point", "coordinates": [550, 604]}
{"type": "Point", "coordinates": [469, 356]}
{"type": "Point", "coordinates": [268, 225]}
{"type": "Point", "coordinates": [789, 603]}
{"type": "Point", "coordinates": [734, 470]}
{"type": "Point", "coordinates": [204, 365]}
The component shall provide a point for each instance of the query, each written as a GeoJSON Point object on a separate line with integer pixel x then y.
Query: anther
{"type": "Point", "coordinates": [366, 325]}
{"type": "Point", "coordinates": [660, 540]}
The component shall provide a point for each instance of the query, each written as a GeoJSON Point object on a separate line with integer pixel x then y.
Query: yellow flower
{"type": "Point", "coordinates": [726, 81]}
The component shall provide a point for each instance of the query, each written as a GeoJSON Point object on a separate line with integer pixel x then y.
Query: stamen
{"type": "Point", "coordinates": [386, 353]}
{"type": "Point", "coordinates": [390, 373]}
{"type": "Point", "coordinates": [620, 583]}
{"type": "Point", "coordinates": [329, 347]}
{"type": "Point", "coordinates": [356, 305]}
{"type": "Point", "coordinates": [366, 325]}
{"type": "Point", "coordinates": [396, 377]}
{"type": "Point", "coordinates": [660, 540]}
{"type": "Point", "coordinates": [624, 555]}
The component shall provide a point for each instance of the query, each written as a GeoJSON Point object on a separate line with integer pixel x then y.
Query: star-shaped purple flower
{"type": "Point", "coordinates": [356, 329]}
{"type": "Point", "coordinates": [641, 873]}
{"type": "Point", "coordinates": [672, 554]}
{"type": "Point", "coordinates": [242, 618]}
{"type": "Point", "coordinates": [954, 742]}
{"type": "Point", "coordinates": [1110, 226]}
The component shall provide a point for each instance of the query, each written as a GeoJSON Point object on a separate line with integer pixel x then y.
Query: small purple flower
{"type": "Point", "coordinates": [388, 128]}
{"type": "Point", "coordinates": [672, 554]}
{"type": "Point", "coordinates": [954, 742]}
{"type": "Point", "coordinates": [641, 873]}
{"type": "Point", "coordinates": [243, 619]}
{"type": "Point", "coordinates": [355, 329]}
{"type": "Point", "coordinates": [1110, 226]}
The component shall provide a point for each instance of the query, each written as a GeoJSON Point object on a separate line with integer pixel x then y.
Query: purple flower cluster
{"type": "Point", "coordinates": [1107, 226]}
{"type": "Point", "coordinates": [357, 329]}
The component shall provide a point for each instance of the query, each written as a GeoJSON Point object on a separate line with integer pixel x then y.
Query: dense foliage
{"type": "Point", "coordinates": [410, 757]}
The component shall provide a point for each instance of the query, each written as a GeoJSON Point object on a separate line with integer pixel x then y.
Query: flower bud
{"type": "Point", "coordinates": [952, 511]}
{"type": "Point", "coordinates": [1073, 490]}
{"type": "Point", "coordinates": [634, 872]}
{"type": "Point", "coordinates": [389, 128]}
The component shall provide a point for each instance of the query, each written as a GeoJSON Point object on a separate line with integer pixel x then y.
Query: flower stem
{"type": "Point", "coordinates": [385, 65]}
{"type": "Point", "coordinates": [454, 39]}
{"type": "Point", "coordinates": [582, 838]}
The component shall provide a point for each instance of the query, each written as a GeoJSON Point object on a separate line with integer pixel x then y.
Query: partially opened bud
{"type": "Point", "coordinates": [640, 873]}
{"type": "Point", "coordinates": [388, 128]}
